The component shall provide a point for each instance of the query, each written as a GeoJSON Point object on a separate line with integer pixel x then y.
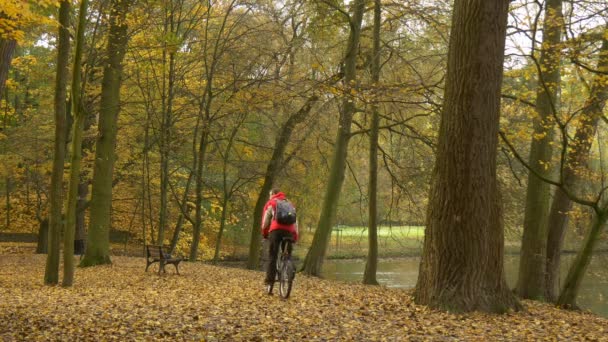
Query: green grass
{"type": "Point", "coordinates": [351, 241]}
{"type": "Point", "coordinates": [407, 232]}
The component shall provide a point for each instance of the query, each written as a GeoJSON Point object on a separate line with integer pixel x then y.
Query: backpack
{"type": "Point", "coordinates": [286, 212]}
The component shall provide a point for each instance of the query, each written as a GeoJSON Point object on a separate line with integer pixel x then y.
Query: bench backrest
{"type": "Point", "coordinates": [155, 252]}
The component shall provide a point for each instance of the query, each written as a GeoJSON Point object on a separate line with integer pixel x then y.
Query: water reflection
{"type": "Point", "coordinates": [402, 273]}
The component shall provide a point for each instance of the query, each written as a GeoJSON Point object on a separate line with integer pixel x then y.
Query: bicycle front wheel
{"type": "Point", "coordinates": [286, 277]}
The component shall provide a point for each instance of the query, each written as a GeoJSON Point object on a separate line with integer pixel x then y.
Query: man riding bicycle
{"type": "Point", "coordinates": [275, 231]}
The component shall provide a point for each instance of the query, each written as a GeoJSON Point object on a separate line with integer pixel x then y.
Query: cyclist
{"type": "Point", "coordinates": [275, 232]}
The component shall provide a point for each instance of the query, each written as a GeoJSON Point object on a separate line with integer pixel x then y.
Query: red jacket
{"type": "Point", "coordinates": [272, 204]}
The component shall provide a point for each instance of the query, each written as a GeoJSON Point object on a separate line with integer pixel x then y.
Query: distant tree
{"type": "Point", "coordinates": [462, 262]}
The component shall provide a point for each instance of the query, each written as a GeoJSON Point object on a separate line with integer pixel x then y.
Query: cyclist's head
{"type": "Point", "coordinates": [274, 191]}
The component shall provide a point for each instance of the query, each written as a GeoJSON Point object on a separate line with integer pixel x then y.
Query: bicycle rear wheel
{"type": "Point", "coordinates": [286, 277]}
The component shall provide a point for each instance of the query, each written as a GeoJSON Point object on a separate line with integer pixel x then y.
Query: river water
{"type": "Point", "coordinates": [402, 273]}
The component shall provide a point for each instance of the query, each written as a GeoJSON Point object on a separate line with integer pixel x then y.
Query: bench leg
{"type": "Point", "coordinates": [162, 267]}
{"type": "Point", "coordinates": [176, 267]}
{"type": "Point", "coordinates": [148, 265]}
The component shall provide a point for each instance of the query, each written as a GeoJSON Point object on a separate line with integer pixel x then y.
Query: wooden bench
{"type": "Point", "coordinates": [156, 254]}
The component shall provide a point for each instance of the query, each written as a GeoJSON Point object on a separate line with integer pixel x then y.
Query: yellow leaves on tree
{"type": "Point", "coordinates": [17, 15]}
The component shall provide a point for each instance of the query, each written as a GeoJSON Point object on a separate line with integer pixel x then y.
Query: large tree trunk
{"type": "Point", "coordinates": [531, 279]}
{"type": "Point", "coordinates": [98, 239]}
{"type": "Point", "coordinates": [77, 131]}
{"type": "Point", "coordinates": [7, 48]}
{"type": "Point", "coordinates": [567, 297]}
{"type": "Point", "coordinates": [272, 169]}
{"type": "Point", "coordinates": [51, 273]}
{"type": "Point", "coordinates": [316, 253]}
{"type": "Point", "coordinates": [462, 261]}
{"type": "Point", "coordinates": [576, 158]}
{"type": "Point", "coordinates": [371, 266]}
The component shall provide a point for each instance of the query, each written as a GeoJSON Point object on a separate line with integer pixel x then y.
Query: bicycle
{"type": "Point", "coordinates": [286, 270]}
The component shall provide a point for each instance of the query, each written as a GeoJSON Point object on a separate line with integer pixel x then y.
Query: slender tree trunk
{"type": "Point", "coordinates": [98, 239]}
{"type": "Point", "coordinates": [143, 187]}
{"type": "Point", "coordinates": [51, 274]}
{"type": "Point", "coordinates": [198, 219]}
{"type": "Point", "coordinates": [371, 266]}
{"type": "Point", "coordinates": [462, 261]}
{"type": "Point", "coordinates": [43, 236]}
{"type": "Point", "coordinates": [205, 113]}
{"type": "Point", "coordinates": [77, 131]}
{"type": "Point", "coordinates": [7, 185]}
{"type": "Point", "coordinates": [316, 253]}
{"type": "Point", "coordinates": [147, 197]}
{"type": "Point", "coordinates": [227, 193]}
{"type": "Point", "coordinates": [218, 241]}
{"type": "Point", "coordinates": [205, 109]}
{"type": "Point", "coordinates": [272, 170]}
{"type": "Point", "coordinates": [576, 158]}
{"type": "Point", "coordinates": [176, 233]}
{"type": "Point", "coordinates": [8, 203]}
{"type": "Point", "coordinates": [567, 297]}
{"type": "Point", "coordinates": [81, 206]}
{"type": "Point", "coordinates": [183, 214]}
{"type": "Point", "coordinates": [531, 281]}
{"type": "Point", "coordinates": [164, 155]}
{"type": "Point", "coordinates": [7, 48]}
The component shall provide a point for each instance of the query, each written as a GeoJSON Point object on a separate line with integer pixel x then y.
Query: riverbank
{"type": "Point", "coordinates": [122, 302]}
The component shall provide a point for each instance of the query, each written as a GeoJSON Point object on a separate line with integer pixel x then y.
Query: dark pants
{"type": "Point", "coordinates": [275, 237]}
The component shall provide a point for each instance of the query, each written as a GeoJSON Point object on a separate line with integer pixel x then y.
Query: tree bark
{"type": "Point", "coordinates": [7, 199]}
{"type": "Point", "coordinates": [43, 237]}
{"type": "Point", "coordinates": [531, 281]}
{"type": "Point", "coordinates": [198, 219]}
{"type": "Point", "coordinates": [462, 261]}
{"type": "Point", "coordinates": [77, 131]}
{"type": "Point", "coordinates": [51, 273]}
{"type": "Point", "coordinates": [316, 254]}
{"type": "Point", "coordinates": [7, 48]}
{"type": "Point", "coordinates": [272, 169]}
{"type": "Point", "coordinates": [98, 239]}
{"type": "Point", "coordinates": [81, 206]}
{"type": "Point", "coordinates": [218, 241]}
{"type": "Point", "coordinates": [576, 158]}
{"type": "Point", "coordinates": [371, 266]}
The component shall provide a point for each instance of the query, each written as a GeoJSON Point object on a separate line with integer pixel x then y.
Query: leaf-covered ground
{"type": "Point", "coordinates": [121, 302]}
